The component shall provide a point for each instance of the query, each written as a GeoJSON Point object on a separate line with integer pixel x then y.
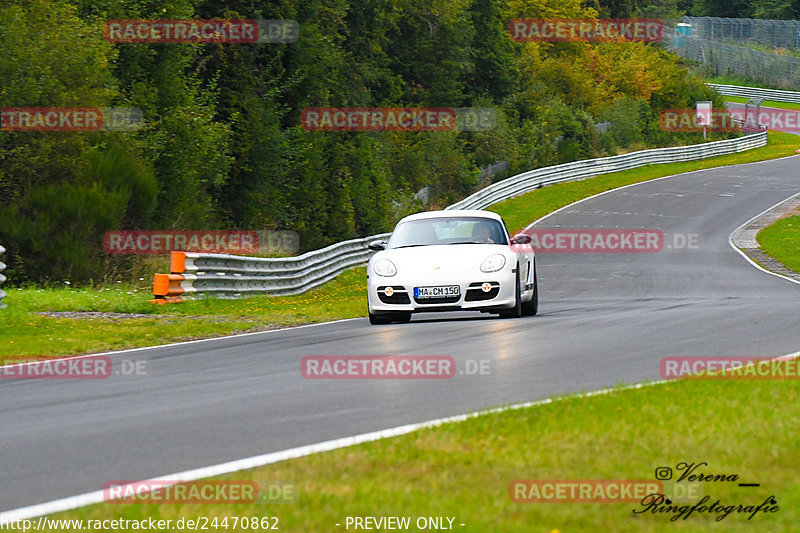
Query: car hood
{"type": "Point", "coordinates": [453, 258]}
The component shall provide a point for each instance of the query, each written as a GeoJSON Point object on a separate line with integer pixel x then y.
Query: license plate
{"type": "Point", "coordinates": [443, 291]}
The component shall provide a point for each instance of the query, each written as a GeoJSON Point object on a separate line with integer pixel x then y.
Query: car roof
{"type": "Point", "coordinates": [454, 213]}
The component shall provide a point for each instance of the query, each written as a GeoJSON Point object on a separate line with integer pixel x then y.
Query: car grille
{"type": "Point", "coordinates": [400, 295]}
{"type": "Point", "coordinates": [476, 294]}
{"type": "Point", "coordinates": [434, 301]}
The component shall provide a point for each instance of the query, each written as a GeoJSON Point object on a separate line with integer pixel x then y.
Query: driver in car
{"type": "Point", "coordinates": [483, 233]}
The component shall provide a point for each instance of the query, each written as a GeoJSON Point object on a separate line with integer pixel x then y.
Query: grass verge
{"type": "Point", "coordinates": [30, 325]}
{"type": "Point", "coordinates": [520, 211]}
{"type": "Point", "coordinates": [742, 82]}
{"type": "Point", "coordinates": [464, 470]}
{"type": "Point", "coordinates": [781, 240]}
{"type": "Point", "coordinates": [25, 331]}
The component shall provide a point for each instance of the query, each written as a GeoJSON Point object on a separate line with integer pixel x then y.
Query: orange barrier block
{"type": "Point", "coordinates": [167, 288]}
{"type": "Point", "coordinates": [177, 262]}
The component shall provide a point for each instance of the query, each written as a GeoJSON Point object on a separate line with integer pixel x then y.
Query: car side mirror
{"type": "Point", "coordinates": [377, 245]}
{"type": "Point", "coordinates": [521, 238]}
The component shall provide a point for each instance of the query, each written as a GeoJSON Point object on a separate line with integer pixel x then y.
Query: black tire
{"type": "Point", "coordinates": [376, 320]}
{"type": "Point", "coordinates": [402, 316]}
{"type": "Point", "coordinates": [386, 318]}
{"type": "Point", "coordinates": [516, 311]}
{"type": "Point", "coordinates": [532, 307]}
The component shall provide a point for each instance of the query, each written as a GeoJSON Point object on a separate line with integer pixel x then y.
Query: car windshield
{"type": "Point", "coordinates": [455, 230]}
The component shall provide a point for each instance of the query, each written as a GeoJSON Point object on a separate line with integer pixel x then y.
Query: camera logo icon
{"type": "Point", "coordinates": [663, 473]}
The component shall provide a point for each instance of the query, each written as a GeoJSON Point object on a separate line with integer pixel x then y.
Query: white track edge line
{"type": "Point", "coordinates": [156, 346]}
{"type": "Point", "coordinates": [746, 257]}
{"type": "Point", "coordinates": [115, 352]}
{"type": "Point", "coordinates": [730, 237]}
{"type": "Point", "coordinates": [650, 181]}
{"type": "Point", "coordinates": [89, 498]}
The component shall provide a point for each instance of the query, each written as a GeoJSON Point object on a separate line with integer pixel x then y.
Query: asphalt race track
{"type": "Point", "coordinates": [604, 319]}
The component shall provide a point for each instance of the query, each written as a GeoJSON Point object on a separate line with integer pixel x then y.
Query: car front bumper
{"type": "Point", "coordinates": [471, 295]}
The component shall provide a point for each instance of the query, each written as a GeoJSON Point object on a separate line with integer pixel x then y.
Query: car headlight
{"type": "Point", "coordinates": [493, 263]}
{"type": "Point", "coordinates": [385, 268]}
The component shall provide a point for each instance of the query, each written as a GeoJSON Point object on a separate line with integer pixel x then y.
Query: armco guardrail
{"type": "Point", "coordinates": [233, 276]}
{"type": "Point", "coordinates": [2, 278]}
{"type": "Point", "coordinates": [757, 92]}
{"type": "Point", "coordinates": [528, 181]}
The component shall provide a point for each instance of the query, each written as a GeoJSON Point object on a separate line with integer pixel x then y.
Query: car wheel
{"type": "Point", "coordinates": [402, 316]}
{"type": "Point", "coordinates": [516, 311]}
{"type": "Point", "coordinates": [532, 307]}
{"type": "Point", "coordinates": [386, 318]}
{"type": "Point", "coordinates": [378, 319]}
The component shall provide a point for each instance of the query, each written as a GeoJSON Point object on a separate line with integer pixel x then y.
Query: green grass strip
{"type": "Point", "coordinates": [24, 331]}
{"type": "Point", "coordinates": [781, 240]}
{"type": "Point", "coordinates": [463, 470]}
{"type": "Point", "coordinates": [765, 103]}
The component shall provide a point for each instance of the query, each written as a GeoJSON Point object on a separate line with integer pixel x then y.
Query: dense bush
{"type": "Point", "coordinates": [223, 146]}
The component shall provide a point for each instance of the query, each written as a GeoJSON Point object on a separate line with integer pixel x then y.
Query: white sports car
{"type": "Point", "coordinates": [451, 261]}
